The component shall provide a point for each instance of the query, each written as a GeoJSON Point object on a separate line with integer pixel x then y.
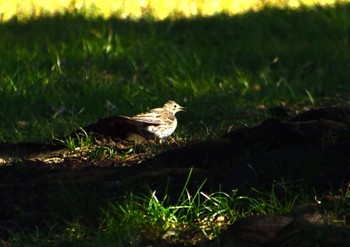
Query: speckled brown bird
{"type": "Point", "coordinates": [160, 122]}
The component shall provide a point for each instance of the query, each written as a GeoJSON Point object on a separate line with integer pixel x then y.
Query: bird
{"type": "Point", "coordinates": [159, 122]}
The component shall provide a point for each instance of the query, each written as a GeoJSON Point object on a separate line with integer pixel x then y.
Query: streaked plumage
{"type": "Point", "coordinates": [160, 122]}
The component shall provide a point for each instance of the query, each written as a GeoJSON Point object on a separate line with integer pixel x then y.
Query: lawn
{"type": "Point", "coordinates": [60, 73]}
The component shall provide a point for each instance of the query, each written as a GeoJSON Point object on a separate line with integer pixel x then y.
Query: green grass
{"type": "Point", "coordinates": [218, 67]}
{"type": "Point", "coordinates": [58, 73]}
{"type": "Point", "coordinates": [79, 216]}
{"type": "Point", "coordinates": [138, 219]}
{"type": "Point", "coordinates": [83, 140]}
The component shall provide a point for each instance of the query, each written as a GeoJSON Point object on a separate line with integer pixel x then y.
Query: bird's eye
{"type": "Point", "coordinates": [175, 106]}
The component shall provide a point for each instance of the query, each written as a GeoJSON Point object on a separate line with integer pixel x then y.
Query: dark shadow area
{"type": "Point", "coordinates": [309, 153]}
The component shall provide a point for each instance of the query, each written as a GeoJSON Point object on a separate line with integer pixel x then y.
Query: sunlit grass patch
{"type": "Point", "coordinates": [194, 216]}
{"type": "Point", "coordinates": [25, 9]}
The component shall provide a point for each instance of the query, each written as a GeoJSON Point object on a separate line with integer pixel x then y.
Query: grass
{"type": "Point", "coordinates": [63, 72]}
{"type": "Point", "coordinates": [62, 79]}
{"type": "Point", "coordinates": [135, 220]}
{"type": "Point", "coordinates": [138, 220]}
{"type": "Point", "coordinates": [83, 140]}
{"type": "Point", "coordinates": [79, 216]}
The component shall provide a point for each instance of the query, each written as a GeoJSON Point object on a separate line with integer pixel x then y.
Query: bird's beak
{"type": "Point", "coordinates": [182, 108]}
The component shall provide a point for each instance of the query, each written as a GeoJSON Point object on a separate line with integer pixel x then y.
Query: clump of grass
{"type": "Point", "coordinates": [271, 202]}
{"type": "Point", "coordinates": [105, 152]}
{"type": "Point", "coordinates": [147, 218]}
{"type": "Point", "coordinates": [82, 140]}
{"type": "Point", "coordinates": [191, 218]}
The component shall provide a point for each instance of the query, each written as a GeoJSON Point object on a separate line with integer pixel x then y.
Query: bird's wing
{"type": "Point", "coordinates": [150, 118]}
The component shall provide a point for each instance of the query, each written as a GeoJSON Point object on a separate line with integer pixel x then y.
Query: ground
{"type": "Point", "coordinates": [278, 151]}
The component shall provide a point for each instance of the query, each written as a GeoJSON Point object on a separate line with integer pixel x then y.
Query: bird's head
{"type": "Point", "coordinates": [173, 106]}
